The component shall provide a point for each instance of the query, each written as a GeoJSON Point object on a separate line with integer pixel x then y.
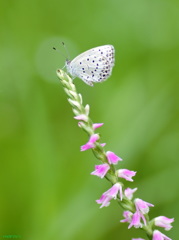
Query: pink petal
{"type": "Point", "coordinates": [164, 222]}
{"type": "Point", "coordinates": [135, 221]}
{"type": "Point", "coordinates": [157, 235]}
{"type": "Point", "coordinates": [110, 194]}
{"type": "Point", "coordinates": [142, 206]}
{"type": "Point", "coordinates": [104, 201]}
{"type": "Point", "coordinates": [128, 192]}
{"type": "Point", "coordinates": [126, 174]}
{"type": "Point", "coordinates": [101, 170]}
{"type": "Point", "coordinates": [81, 117]}
{"type": "Point", "coordinates": [97, 125]}
{"type": "Point", "coordinates": [127, 216]}
{"type": "Point", "coordinates": [103, 144]}
{"type": "Point", "coordinates": [87, 146]}
{"type": "Point", "coordinates": [112, 157]}
{"type": "Point", "coordinates": [90, 143]}
{"type": "Point", "coordinates": [94, 138]}
{"type": "Point", "coordinates": [113, 191]}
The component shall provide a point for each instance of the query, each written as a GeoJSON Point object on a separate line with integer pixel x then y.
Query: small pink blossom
{"type": "Point", "coordinates": [81, 124]}
{"type": "Point", "coordinates": [104, 200]}
{"type": "Point", "coordinates": [142, 206]}
{"type": "Point", "coordinates": [101, 170]}
{"type": "Point", "coordinates": [128, 192]}
{"type": "Point", "coordinates": [164, 222]}
{"type": "Point", "coordinates": [110, 194]}
{"type": "Point", "coordinates": [126, 174]}
{"type": "Point", "coordinates": [90, 143]}
{"type": "Point", "coordinates": [127, 216]}
{"type": "Point", "coordinates": [81, 117]}
{"type": "Point", "coordinates": [112, 157]}
{"type": "Point", "coordinates": [157, 235]}
{"type": "Point", "coordinates": [97, 125]}
{"type": "Point", "coordinates": [136, 220]}
{"type": "Point", "coordinates": [103, 144]}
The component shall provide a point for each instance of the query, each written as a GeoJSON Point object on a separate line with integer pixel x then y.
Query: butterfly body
{"type": "Point", "coordinates": [94, 65]}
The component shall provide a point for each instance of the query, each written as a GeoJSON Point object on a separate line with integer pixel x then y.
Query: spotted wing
{"type": "Point", "coordinates": [94, 65]}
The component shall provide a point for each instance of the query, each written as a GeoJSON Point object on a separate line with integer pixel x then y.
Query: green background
{"type": "Point", "coordinates": [46, 190]}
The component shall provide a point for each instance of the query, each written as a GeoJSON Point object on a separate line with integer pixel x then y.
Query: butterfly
{"type": "Point", "coordinates": [93, 65]}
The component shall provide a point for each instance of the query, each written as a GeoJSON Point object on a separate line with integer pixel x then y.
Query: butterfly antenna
{"type": "Point", "coordinates": [59, 51]}
{"type": "Point", "coordinates": [68, 55]}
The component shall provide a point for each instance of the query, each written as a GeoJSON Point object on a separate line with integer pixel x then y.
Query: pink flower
{"type": "Point", "coordinates": [127, 216]}
{"type": "Point", "coordinates": [97, 125]}
{"type": "Point", "coordinates": [112, 158]}
{"type": "Point", "coordinates": [101, 170]}
{"type": "Point", "coordinates": [81, 117]}
{"type": "Point", "coordinates": [157, 235]}
{"type": "Point", "coordinates": [90, 143]}
{"type": "Point", "coordinates": [128, 192]}
{"type": "Point", "coordinates": [126, 174]}
{"type": "Point", "coordinates": [142, 206]}
{"type": "Point", "coordinates": [110, 194]}
{"type": "Point", "coordinates": [81, 124]}
{"type": "Point", "coordinates": [104, 200]}
{"type": "Point", "coordinates": [164, 222]}
{"type": "Point", "coordinates": [103, 144]}
{"type": "Point", "coordinates": [136, 220]}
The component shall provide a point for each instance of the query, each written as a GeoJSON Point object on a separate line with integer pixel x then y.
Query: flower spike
{"type": "Point", "coordinates": [135, 211]}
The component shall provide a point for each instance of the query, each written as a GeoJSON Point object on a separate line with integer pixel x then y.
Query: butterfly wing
{"type": "Point", "coordinates": [94, 65]}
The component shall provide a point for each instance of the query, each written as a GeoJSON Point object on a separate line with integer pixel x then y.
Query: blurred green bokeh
{"type": "Point", "coordinates": [47, 191]}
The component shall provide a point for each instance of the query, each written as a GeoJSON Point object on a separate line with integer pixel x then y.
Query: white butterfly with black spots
{"type": "Point", "coordinates": [94, 65]}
